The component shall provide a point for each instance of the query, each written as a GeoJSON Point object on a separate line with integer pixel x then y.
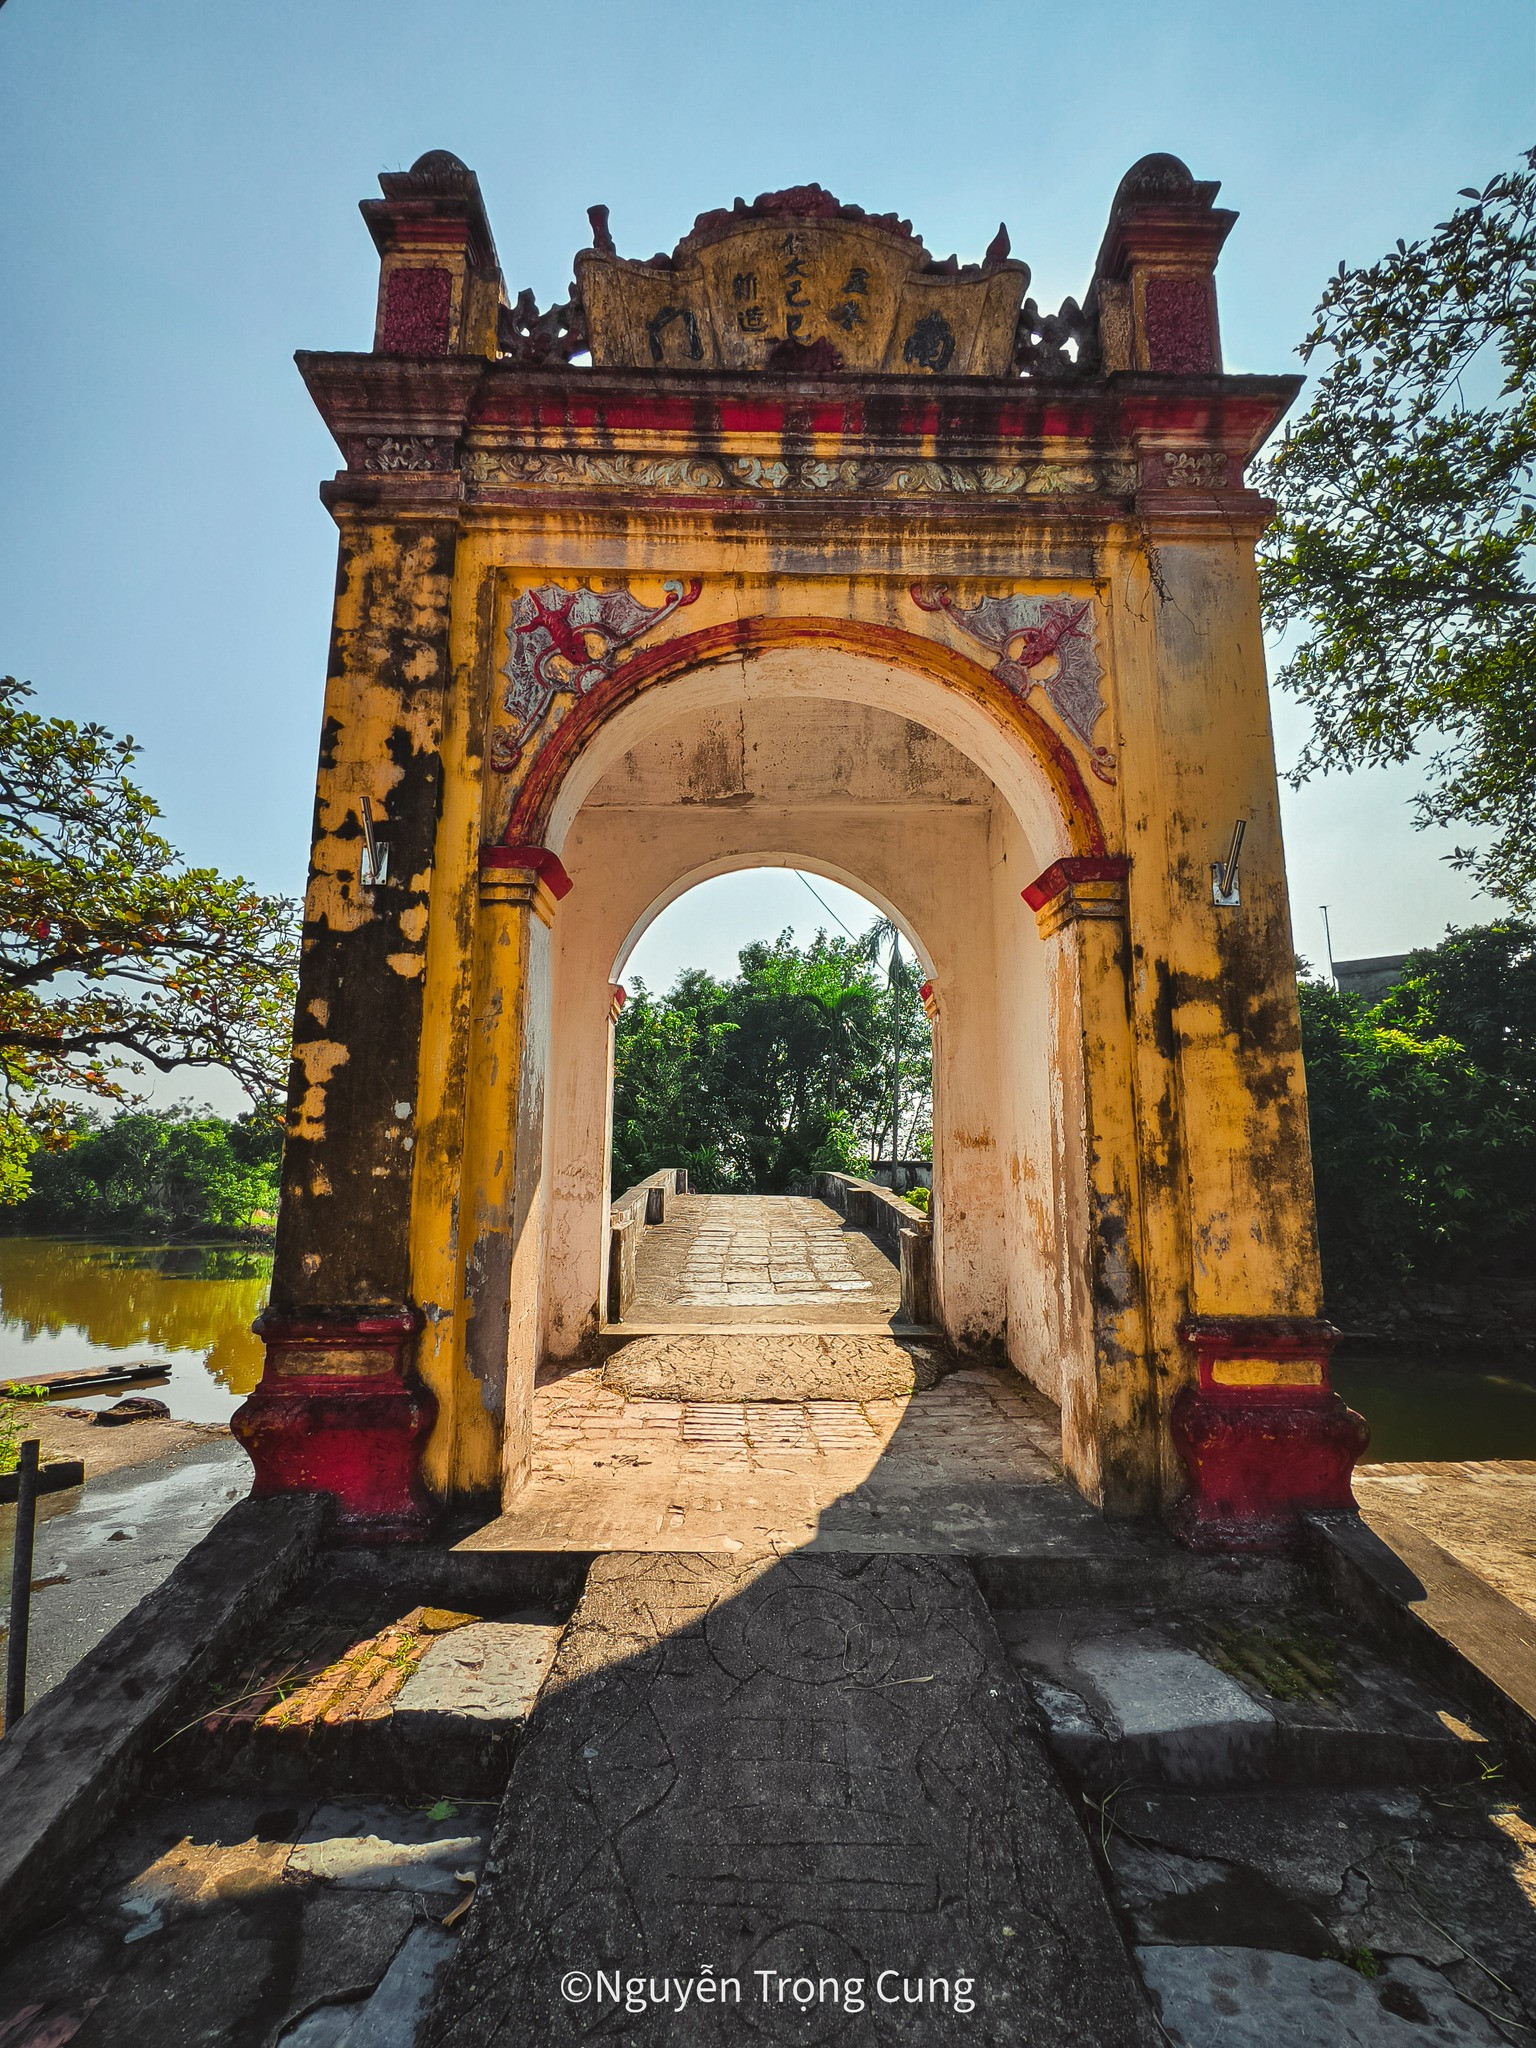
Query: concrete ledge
{"type": "Point", "coordinates": [1450, 1623]}
{"type": "Point", "coordinates": [82, 1752]}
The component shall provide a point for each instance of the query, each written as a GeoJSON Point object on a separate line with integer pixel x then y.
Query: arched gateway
{"type": "Point", "coordinates": [797, 546]}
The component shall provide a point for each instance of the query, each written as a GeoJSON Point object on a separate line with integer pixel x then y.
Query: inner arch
{"type": "Point", "coordinates": [738, 863]}
{"type": "Point", "coordinates": [1029, 767]}
{"type": "Point", "coordinates": [838, 765]}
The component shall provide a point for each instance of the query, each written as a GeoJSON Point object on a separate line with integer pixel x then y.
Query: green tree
{"type": "Point", "coordinates": [759, 1082]}
{"type": "Point", "coordinates": [1403, 548]}
{"type": "Point", "coordinates": [157, 1173]}
{"type": "Point", "coordinates": [800, 1076]}
{"type": "Point", "coordinates": [1423, 1112]}
{"type": "Point", "coordinates": [114, 955]}
{"type": "Point", "coordinates": [907, 1044]}
{"type": "Point", "coordinates": [664, 1056]}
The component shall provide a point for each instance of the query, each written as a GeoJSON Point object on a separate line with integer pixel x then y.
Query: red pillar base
{"type": "Point", "coordinates": [338, 1412]}
{"type": "Point", "coordinates": [1264, 1438]}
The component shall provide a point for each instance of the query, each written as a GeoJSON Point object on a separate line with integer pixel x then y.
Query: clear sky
{"type": "Point", "coordinates": [180, 190]}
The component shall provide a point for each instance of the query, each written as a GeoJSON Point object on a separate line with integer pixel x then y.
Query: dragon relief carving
{"type": "Point", "coordinates": [569, 641]}
{"type": "Point", "coordinates": [1043, 643]}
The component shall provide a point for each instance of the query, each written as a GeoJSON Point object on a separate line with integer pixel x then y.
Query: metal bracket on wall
{"type": "Point", "coordinates": [1226, 891]}
{"type": "Point", "coordinates": [375, 861]}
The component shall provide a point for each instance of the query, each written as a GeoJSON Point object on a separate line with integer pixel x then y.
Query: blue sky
{"type": "Point", "coordinates": [181, 183]}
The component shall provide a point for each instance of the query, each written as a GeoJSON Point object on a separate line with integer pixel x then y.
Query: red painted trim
{"type": "Point", "coordinates": [1257, 1467]}
{"type": "Point", "coordinates": [618, 994]}
{"type": "Point", "coordinates": [736, 637]}
{"type": "Point", "coordinates": [343, 1327]}
{"type": "Point", "coordinates": [1061, 874]}
{"type": "Point", "coordinates": [1266, 1336]}
{"type": "Point", "coordinates": [546, 865]}
{"type": "Point", "coordinates": [925, 990]}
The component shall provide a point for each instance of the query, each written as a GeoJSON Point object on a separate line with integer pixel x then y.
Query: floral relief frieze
{"type": "Point", "coordinates": [796, 475]}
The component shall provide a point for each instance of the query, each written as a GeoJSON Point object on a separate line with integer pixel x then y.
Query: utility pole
{"type": "Point", "coordinates": [1328, 936]}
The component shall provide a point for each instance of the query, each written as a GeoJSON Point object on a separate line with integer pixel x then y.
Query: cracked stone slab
{"type": "Point", "coordinates": [1442, 1876]}
{"type": "Point", "coordinates": [1142, 1696]}
{"type": "Point", "coordinates": [822, 1766]}
{"type": "Point", "coordinates": [1258, 1998]}
{"type": "Point", "coordinates": [391, 2015]}
{"type": "Point", "coordinates": [357, 1845]}
{"type": "Point", "coordinates": [488, 1670]}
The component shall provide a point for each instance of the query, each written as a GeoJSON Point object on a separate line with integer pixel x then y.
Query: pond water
{"type": "Point", "coordinates": [65, 1304]}
{"type": "Point", "coordinates": [1423, 1408]}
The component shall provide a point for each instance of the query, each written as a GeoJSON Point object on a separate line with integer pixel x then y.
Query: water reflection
{"type": "Point", "coordinates": [66, 1304]}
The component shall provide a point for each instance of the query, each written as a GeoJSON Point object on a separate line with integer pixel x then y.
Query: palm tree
{"type": "Point", "coordinates": [883, 933]}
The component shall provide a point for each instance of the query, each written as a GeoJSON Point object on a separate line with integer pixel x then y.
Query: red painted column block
{"type": "Point", "coordinates": [1263, 1436]}
{"type": "Point", "coordinates": [338, 1411]}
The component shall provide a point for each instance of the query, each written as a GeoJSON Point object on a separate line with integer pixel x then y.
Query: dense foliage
{"type": "Point", "coordinates": [1403, 550]}
{"type": "Point", "coordinates": [787, 1070]}
{"type": "Point", "coordinates": [114, 955]}
{"type": "Point", "coordinates": [156, 1174]}
{"type": "Point", "coordinates": [1424, 1113]}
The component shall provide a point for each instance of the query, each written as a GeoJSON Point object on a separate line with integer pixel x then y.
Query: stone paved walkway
{"type": "Point", "coordinates": [794, 1779]}
{"type": "Point", "coordinates": [760, 1259]}
{"type": "Point", "coordinates": [967, 1466]}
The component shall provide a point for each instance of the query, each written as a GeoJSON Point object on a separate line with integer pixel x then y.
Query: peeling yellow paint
{"type": "Point", "coordinates": [410, 965]}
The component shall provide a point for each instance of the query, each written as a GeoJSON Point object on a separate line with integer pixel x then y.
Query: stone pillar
{"type": "Point", "coordinates": [1108, 1428]}
{"type": "Point", "coordinates": [339, 1406]}
{"type": "Point", "coordinates": [341, 1323]}
{"type": "Point", "coordinates": [1225, 1156]}
{"type": "Point", "coordinates": [501, 1205]}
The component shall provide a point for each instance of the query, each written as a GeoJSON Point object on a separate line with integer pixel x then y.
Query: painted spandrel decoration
{"type": "Point", "coordinates": [569, 642]}
{"type": "Point", "coordinates": [799, 281]}
{"type": "Point", "coordinates": [1044, 643]}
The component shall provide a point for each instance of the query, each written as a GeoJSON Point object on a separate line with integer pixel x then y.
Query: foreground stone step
{"type": "Point", "coordinates": [795, 1780]}
{"type": "Point", "coordinates": [1237, 1696]}
{"type": "Point", "coordinates": [1295, 1919]}
{"type": "Point", "coordinates": [234, 1922]}
{"type": "Point", "coordinates": [352, 1689]}
{"type": "Point", "coordinates": [816, 1365]}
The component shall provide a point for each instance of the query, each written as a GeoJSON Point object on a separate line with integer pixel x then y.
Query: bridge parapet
{"type": "Point", "coordinates": [645, 1202]}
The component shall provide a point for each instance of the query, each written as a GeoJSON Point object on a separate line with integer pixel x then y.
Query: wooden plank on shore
{"type": "Point", "coordinates": [90, 1379]}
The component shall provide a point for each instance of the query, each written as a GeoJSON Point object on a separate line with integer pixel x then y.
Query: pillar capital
{"type": "Point", "coordinates": [1078, 887]}
{"type": "Point", "coordinates": [528, 877]}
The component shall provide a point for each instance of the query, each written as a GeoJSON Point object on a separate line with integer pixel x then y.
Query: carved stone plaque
{"type": "Point", "coordinates": [798, 281]}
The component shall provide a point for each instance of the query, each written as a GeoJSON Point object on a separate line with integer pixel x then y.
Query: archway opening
{"type": "Point", "coordinates": [855, 772]}
{"type": "Point", "coordinates": [772, 1097]}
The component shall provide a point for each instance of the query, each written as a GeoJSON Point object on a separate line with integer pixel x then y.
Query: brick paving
{"type": "Point", "coordinates": [973, 1456]}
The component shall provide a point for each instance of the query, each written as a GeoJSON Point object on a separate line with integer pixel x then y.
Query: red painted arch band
{"type": "Point", "coordinates": [711, 644]}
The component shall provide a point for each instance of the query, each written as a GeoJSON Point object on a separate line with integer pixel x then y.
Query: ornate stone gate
{"type": "Point", "coordinates": [798, 545]}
